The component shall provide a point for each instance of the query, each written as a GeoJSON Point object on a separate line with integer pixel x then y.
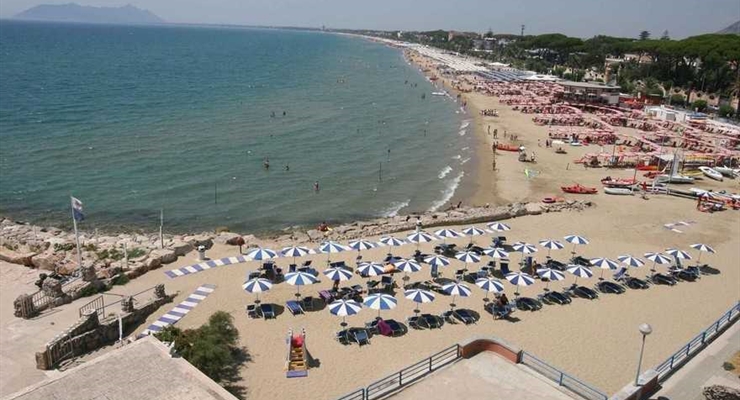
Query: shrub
{"type": "Point", "coordinates": [63, 247]}
{"type": "Point", "coordinates": [678, 99]}
{"type": "Point", "coordinates": [699, 105]}
{"type": "Point", "coordinates": [136, 252]}
{"type": "Point", "coordinates": [88, 291]}
{"type": "Point", "coordinates": [120, 279]}
{"type": "Point", "coordinates": [726, 111]}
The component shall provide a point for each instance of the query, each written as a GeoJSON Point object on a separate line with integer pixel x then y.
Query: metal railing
{"type": "Point", "coordinates": [97, 304]}
{"type": "Point", "coordinates": [697, 343]}
{"type": "Point", "coordinates": [406, 376]}
{"type": "Point", "coordinates": [563, 379]}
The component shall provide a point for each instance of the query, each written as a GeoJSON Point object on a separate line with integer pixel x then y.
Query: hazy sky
{"type": "Point", "coordinates": [583, 18]}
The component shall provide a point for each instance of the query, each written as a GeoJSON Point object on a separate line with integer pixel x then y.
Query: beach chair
{"type": "Point", "coordinates": [447, 317]}
{"type": "Point", "coordinates": [387, 282]}
{"type": "Point", "coordinates": [342, 337]}
{"type": "Point", "coordinates": [307, 263]}
{"type": "Point", "coordinates": [464, 316]}
{"type": "Point", "coordinates": [383, 328]}
{"type": "Point", "coordinates": [610, 287]}
{"type": "Point", "coordinates": [397, 329]}
{"type": "Point", "coordinates": [414, 322]}
{"type": "Point", "coordinates": [292, 268]}
{"type": "Point", "coordinates": [307, 303]}
{"type": "Point", "coordinates": [254, 275]}
{"type": "Point", "coordinates": [504, 266]}
{"type": "Point", "coordinates": [294, 307]}
{"type": "Point", "coordinates": [326, 296]}
{"type": "Point", "coordinates": [267, 311]}
{"type": "Point", "coordinates": [253, 311]}
{"type": "Point", "coordinates": [432, 321]}
{"type": "Point", "coordinates": [360, 336]}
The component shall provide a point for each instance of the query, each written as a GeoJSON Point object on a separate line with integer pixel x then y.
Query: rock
{"type": "Point", "coordinates": [719, 392]}
{"type": "Point", "coordinates": [181, 248]}
{"type": "Point", "coordinates": [201, 240]}
{"type": "Point", "coordinates": [52, 288]}
{"type": "Point", "coordinates": [314, 235]}
{"type": "Point", "coordinates": [17, 258]}
{"type": "Point", "coordinates": [226, 237]}
{"type": "Point", "coordinates": [342, 229]}
{"type": "Point", "coordinates": [300, 237]}
{"type": "Point", "coordinates": [152, 262]}
{"type": "Point", "coordinates": [47, 260]}
{"type": "Point", "coordinates": [166, 256]}
{"type": "Point", "coordinates": [534, 208]}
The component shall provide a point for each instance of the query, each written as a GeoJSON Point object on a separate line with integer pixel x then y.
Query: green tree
{"type": "Point", "coordinates": [699, 105]}
{"type": "Point", "coordinates": [678, 99]}
{"type": "Point", "coordinates": [665, 36]}
{"type": "Point", "coordinates": [644, 35]}
{"type": "Point", "coordinates": [726, 111]}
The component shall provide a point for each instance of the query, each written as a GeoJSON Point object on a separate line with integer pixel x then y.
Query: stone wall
{"type": "Point", "coordinates": [91, 333]}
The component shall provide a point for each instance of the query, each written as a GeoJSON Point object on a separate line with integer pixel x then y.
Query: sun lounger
{"type": "Point", "coordinates": [431, 321]}
{"type": "Point", "coordinates": [414, 322]}
{"type": "Point", "coordinates": [578, 260]}
{"type": "Point", "coordinates": [555, 264]}
{"type": "Point", "coordinates": [294, 307]}
{"type": "Point", "coordinates": [498, 312]}
{"type": "Point", "coordinates": [464, 316]}
{"type": "Point", "coordinates": [387, 282]}
{"type": "Point", "coordinates": [326, 296]}
{"type": "Point", "coordinates": [397, 329]}
{"type": "Point", "coordinates": [554, 297]}
{"type": "Point", "coordinates": [267, 311]}
{"type": "Point", "coordinates": [528, 304]}
{"type": "Point", "coordinates": [504, 266]}
{"type": "Point", "coordinates": [292, 268]}
{"type": "Point", "coordinates": [610, 287]}
{"type": "Point", "coordinates": [307, 263]}
{"type": "Point", "coordinates": [360, 336]}
{"type": "Point", "coordinates": [447, 317]}
{"type": "Point", "coordinates": [683, 274]}
{"type": "Point", "coordinates": [663, 279]}
{"type": "Point", "coordinates": [254, 275]}
{"type": "Point", "coordinates": [583, 292]}
{"type": "Point", "coordinates": [253, 311]}
{"type": "Point", "coordinates": [384, 329]}
{"type": "Point", "coordinates": [307, 303]}
{"type": "Point", "coordinates": [342, 337]}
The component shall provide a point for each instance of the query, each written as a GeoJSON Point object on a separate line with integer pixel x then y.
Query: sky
{"type": "Point", "coordinates": [582, 18]}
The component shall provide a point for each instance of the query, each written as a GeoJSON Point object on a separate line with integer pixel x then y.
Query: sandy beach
{"type": "Point", "coordinates": [594, 340]}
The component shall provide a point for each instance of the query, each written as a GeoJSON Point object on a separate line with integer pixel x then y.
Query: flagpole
{"type": "Point", "coordinates": [77, 235]}
{"type": "Point", "coordinates": [161, 228]}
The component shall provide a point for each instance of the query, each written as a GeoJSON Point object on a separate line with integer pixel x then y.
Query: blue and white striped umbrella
{"type": "Point", "coordinates": [657, 258]}
{"type": "Point", "coordinates": [468, 257]}
{"type": "Point", "coordinates": [631, 261]}
{"type": "Point", "coordinates": [575, 239]}
{"type": "Point", "coordinates": [579, 271]}
{"type": "Point", "coordinates": [437, 261]}
{"type": "Point", "coordinates": [406, 265]}
{"type": "Point", "coordinates": [550, 274]}
{"type": "Point", "coordinates": [257, 286]}
{"type": "Point", "coordinates": [370, 269]}
{"type": "Point", "coordinates": [343, 308]}
{"type": "Point", "coordinates": [332, 247]}
{"type": "Point", "coordinates": [551, 244]}
{"type": "Point", "coordinates": [299, 279]}
{"type": "Point", "coordinates": [421, 237]}
{"type": "Point", "coordinates": [360, 245]}
{"type": "Point", "coordinates": [703, 248]}
{"type": "Point", "coordinates": [338, 274]}
{"type": "Point", "coordinates": [391, 241]}
{"type": "Point", "coordinates": [419, 295]}
{"type": "Point", "coordinates": [519, 279]}
{"type": "Point", "coordinates": [496, 252]}
{"type": "Point", "coordinates": [261, 254]}
{"type": "Point", "coordinates": [524, 248]}
{"type": "Point", "coordinates": [456, 289]}
{"type": "Point", "coordinates": [473, 231]}
{"type": "Point", "coordinates": [295, 251]}
{"type": "Point", "coordinates": [380, 301]}
{"type": "Point", "coordinates": [490, 285]}
{"type": "Point", "coordinates": [499, 227]}
{"type": "Point", "coordinates": [679, 254]}
{"type": "Point", "coordinates": [603, 263]}
{"type": "Point", "coordinates": [447, 233]}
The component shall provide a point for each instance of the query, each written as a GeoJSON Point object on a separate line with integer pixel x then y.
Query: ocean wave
{"type": "Point", "coordinates": [465, 148]}
{"type": "Point", "coordinates": [447, 193]}
{"type": "Point", "coordinates": [464, 161]}
{"type": "Point", "coordinates": [394, 208]}
{"type": "Point", "coordinates": [465, 125]}
{"type": "Point", "coordinates": [446, 170]}
{"type": "Point", "coordinates": [462, 132]}
{"type": "Point", "coordinates": [457, 157]}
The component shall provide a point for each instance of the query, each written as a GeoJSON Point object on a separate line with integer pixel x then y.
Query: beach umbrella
{"type": "Point", "coordinates": [678, 254]}
{"type": "Point", "coordinates": [604, 264]}
{"type": "Point", "coordinates": [473, 231]}
{"type": "Point", "coordinates": [519, 279]}
{"type": "Point", "coordinates": [550, 274]}
{"type": "Point", "coordinates": [437, 261]}
{"type": "Point", "coordinates": [343, 308]}
{"type": "Point", "coordinates": [370, 269]}
{"type": "Point", "coordinates": [391, 241]}
{"type": "Point", "coordinates": [419, 296]}
{"type": "Point", "coordinates": [524, 248]}
{"type": "Point", "coordinates": [701, 248]}
{"type": "Point", "coordinates": [496, 252]}
{"type": "Point", "coordinates": [406, 266]}
{"type": "Point", "coordinates": [331, 247]}
{"type": "Point", "coordinates": [490, 285]}
{"type": "Point", "coordinates": [498, 227]}
{"type": "Point", "coordinates": [338, 274]}
{"type": "Point", "coordinates": [295, 251]}
{"type": "Point", "coordinates": [579, 271]}
{"type": "Point", "coordinates": [299, 279]}
{"type": "Point", "coordinates": [467, 257]}
{"type": "Point", "coordinates": [551, 245]}
{"type": "Point", "coordinates": [657, 258]}
{"type": "Point", "coordinates": [360, 245]}
{"type": "Point", "coordinates": [576, 240]}
{"type": "Point", "coordinates": [456, 289]}
{"type": "Point", "coordinates": [261, 254]}
{"type": "Point", "coordinates": [630, 261]}
{"type": "Point", "coordinates": [447, 233]}
{"type": "Point", "coordinates": [420, 237]}
{"type": "Point", "coordinates": [257, 286]}
{"type": "Point", "coordinates": [380, 301]}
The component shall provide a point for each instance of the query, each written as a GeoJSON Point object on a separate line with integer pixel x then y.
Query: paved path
{"type": "Point", "coordinates": [180, 310]}
{"type": "Point", "coordinates": [705, 369]}
{"type": "Point", "coordinates": [195, 268]}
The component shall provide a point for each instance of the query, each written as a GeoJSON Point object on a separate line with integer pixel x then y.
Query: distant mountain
{"type": "Point", "coordinates": [72, 12]}
{"type": "Point", "coordinates": [734, 28]}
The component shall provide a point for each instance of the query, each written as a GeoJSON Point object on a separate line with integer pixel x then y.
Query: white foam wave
{"type": "Point", "coordinates": [457, 157]}
{"type": "Point", "coordinates": [464, 161]}
{"type": "Point", "coordinates": [446, 170]}
{"type": "Point", "coordinates": [465, 148]}
{"type": "Point", "coordinates": [462, 132]}
{"type": "Point", "coordinates": [447, 193]}
{"type": "Point", "coordinates": [395, 207]}
{"type": "Point", "coordinates": [465, 125]}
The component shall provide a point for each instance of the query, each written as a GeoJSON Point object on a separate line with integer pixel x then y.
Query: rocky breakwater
{"type": "Point", "coordinates": [53, 249]}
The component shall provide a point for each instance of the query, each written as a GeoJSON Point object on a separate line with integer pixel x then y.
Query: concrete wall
{"type": "Point", "coordinates": [476, 345]}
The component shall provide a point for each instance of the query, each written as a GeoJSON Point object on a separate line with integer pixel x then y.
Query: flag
{"type": "Point", "coordinates": [77, 210]}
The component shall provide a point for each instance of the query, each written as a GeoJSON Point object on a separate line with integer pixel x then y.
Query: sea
{"type": "Point", "coordinates": [140, 121]}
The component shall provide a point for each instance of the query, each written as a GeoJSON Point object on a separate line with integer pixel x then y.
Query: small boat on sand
{"type": "Point", "coordinates": [507, 147]}
{"type": "Point", "coordinates": [611, 182]}
{"type": "Point", "coordinates": [578, 189]}
{"type": "Point", "coordinates": [677, 178]}
{"type": "Point", "coordinates": [711, 173]}
{"type": "Point", "coordinates": [726, 171]}
{"type": "Point", "coordinates": [618, 191]}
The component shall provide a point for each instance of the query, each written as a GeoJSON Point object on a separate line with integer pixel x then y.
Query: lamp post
{"type": "Point", "coordinates": [645, 329]}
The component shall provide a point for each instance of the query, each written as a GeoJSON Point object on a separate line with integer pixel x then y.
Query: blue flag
{"type": "Point", "coordinates": [77, 210]}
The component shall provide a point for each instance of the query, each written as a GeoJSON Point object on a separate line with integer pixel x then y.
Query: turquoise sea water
{"type": "Point", "coordinates": [134, 119]}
